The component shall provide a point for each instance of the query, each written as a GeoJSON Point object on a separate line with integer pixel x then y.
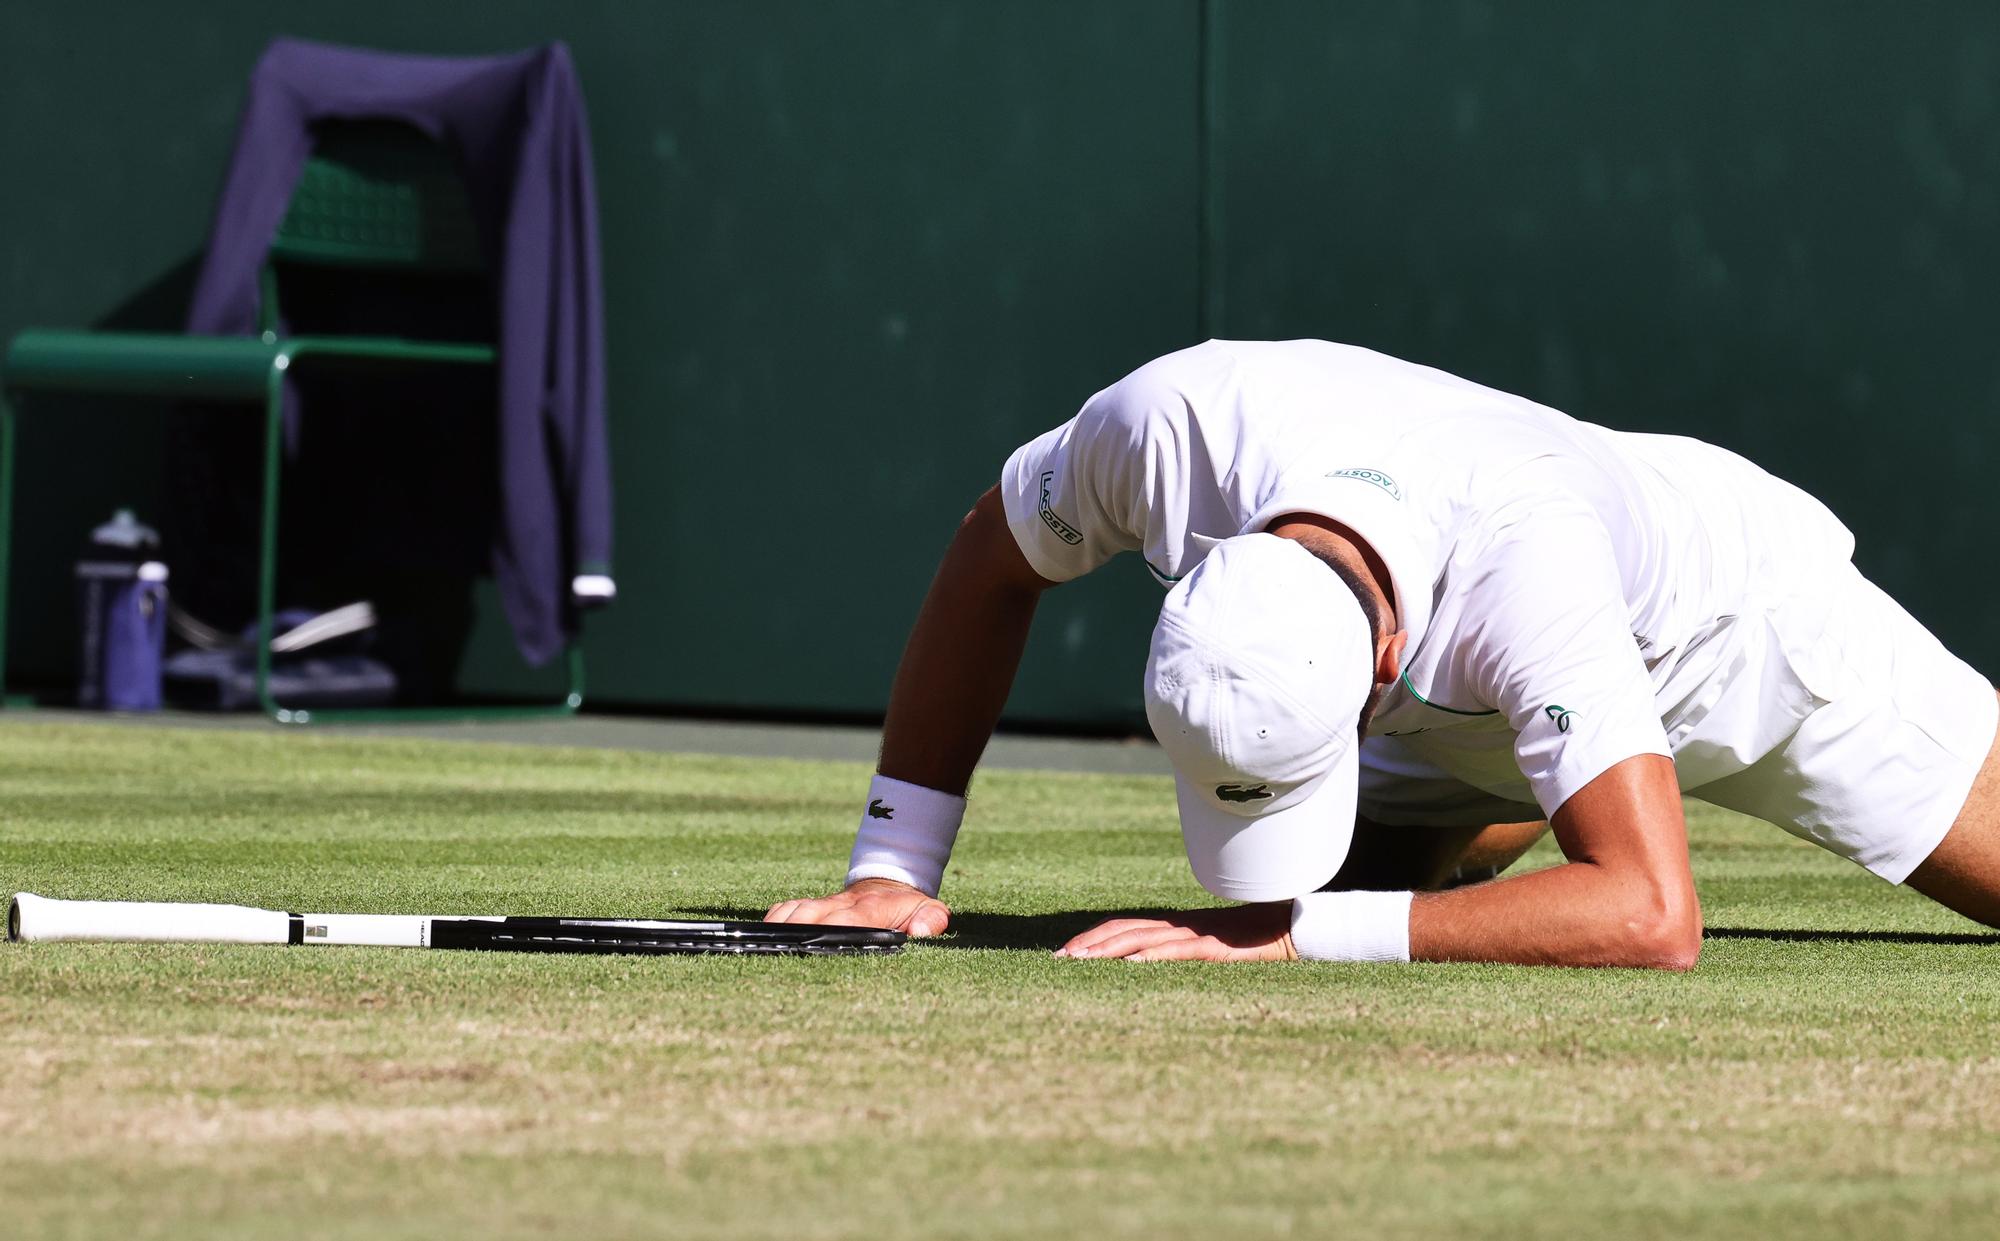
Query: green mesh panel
{"type": "Point", "coordinates": [379, 194]}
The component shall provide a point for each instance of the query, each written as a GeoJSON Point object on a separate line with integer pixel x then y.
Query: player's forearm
{"type": "Point", "coordinates": [1580, 914]}
{"type": "Point", "coordinates": [962, 655]}
{"type": "Point", "coordinates": [951, 684]}
{"type": "Point", "coordinates": [1625, 897]}
{"type": "Point", "coordinates": [956, 670]}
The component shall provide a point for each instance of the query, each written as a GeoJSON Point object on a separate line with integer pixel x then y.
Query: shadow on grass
{"type": "Point", "coordinates": [980, 930]}
{"type": "Point", "coordinates": [1852, 937]}
{"type": "Point", "coordinates": [1022, 931]}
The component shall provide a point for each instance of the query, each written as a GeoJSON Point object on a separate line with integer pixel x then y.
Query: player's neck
{"type": "Point", "coordinates": [1328, 537]}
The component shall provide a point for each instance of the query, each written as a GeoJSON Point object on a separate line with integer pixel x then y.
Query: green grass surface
{"type": "Point", "coordinates": [1829, 1070]}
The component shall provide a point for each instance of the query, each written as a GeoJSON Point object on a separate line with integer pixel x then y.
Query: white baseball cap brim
{"type": "Point", "coordinates": [1279, 854]}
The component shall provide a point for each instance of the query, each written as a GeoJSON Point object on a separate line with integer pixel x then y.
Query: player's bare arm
{"type": "Point", "coordinates": [950, 686]}
{"type": "Point", "coordinates": [1624, 898]}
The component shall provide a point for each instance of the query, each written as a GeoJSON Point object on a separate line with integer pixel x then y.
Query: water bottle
{"type": "Point", "coordinates": [122, 602]}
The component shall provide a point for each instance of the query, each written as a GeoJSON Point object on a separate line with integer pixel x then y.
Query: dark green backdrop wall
{"type": "Point", "coordinates": [857, 251]}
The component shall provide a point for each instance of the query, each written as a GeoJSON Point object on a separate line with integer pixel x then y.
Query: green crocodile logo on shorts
{"type": "Point", "coordinates": [1561, 715]}
{"type": "Point", "coordinates": [1064, 531]}
{"type": "Point", "coordinates": [1238, 793]}
{"type": "Point", "coordinates": [1370, 476]}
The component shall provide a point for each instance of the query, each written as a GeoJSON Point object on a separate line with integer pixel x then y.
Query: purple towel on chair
{"type": "Point", "coordinates": [517, 126]}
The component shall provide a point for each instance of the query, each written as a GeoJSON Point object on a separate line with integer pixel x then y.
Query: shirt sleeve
{"type": "Point", "coordinates": [1081, 493]}
{"type": "Point", "coordinates": [1552, 649]}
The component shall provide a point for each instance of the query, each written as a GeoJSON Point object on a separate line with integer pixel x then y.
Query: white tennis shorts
{"type": "Point", "coordinates": [1835, 715]}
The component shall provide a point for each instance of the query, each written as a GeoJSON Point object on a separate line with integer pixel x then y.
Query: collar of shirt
{"type": "Point", "coordinates": [1406, 545]}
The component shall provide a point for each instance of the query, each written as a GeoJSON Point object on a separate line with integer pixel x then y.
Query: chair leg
{"type": "Point", "coordinates": [574, 699]}
{"type": "Point", "coordinates": [6, 527]}
{"type": "Point", "coordinates": [267, 543]}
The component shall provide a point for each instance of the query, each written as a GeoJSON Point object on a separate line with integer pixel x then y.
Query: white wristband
{"type": "Point", "coordinates": [1352, 926]}
{"type": "Point", "coordinates": [906, 834]}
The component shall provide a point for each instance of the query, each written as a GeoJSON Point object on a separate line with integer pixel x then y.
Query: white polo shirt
{"type": "Point", "coordinates": [1574, 596]}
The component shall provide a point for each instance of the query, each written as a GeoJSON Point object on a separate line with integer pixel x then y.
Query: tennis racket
{"type": "Point", "coordinates": [32, 919]}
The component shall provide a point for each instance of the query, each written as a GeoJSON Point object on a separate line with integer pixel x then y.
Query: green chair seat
{"type": "Point", "coordinates": [196, 367]}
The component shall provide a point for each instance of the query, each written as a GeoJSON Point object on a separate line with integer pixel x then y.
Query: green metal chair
{"type": "Point", "coordinates": [374, 197]}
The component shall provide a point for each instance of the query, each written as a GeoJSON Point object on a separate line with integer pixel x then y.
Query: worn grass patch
{"type": "Point", "coordinates": [1833, 1067]}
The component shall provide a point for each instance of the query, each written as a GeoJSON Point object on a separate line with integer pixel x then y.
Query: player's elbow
{"type": "Point", "coordinates": [1675, 949]}
{"type": "Point", "coordinates": [1666, 936]}
{"type": "Point", "coordinates": [1651, 923]}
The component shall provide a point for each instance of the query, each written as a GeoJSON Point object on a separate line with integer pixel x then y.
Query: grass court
{"type": "Point", "coordinates": [1832, 1068]}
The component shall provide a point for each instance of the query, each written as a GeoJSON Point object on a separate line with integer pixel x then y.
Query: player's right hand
{"type": "Point", "coordinates": [881, 903]}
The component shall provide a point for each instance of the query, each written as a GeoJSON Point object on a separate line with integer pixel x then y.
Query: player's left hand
{"type": "Point", "coordinates": [1238, 933]}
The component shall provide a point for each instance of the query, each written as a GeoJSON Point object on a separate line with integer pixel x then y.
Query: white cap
{"type": "Point", "coordinates": [1261, 663]}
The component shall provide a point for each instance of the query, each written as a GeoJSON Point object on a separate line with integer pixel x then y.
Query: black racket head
{"type": "Point", "coordinates": [646, 936]}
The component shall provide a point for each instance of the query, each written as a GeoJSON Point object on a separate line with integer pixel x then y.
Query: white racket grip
{"type": "Point", "coordinates": [41, 919]}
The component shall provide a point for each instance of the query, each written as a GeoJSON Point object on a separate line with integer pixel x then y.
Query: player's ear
{"type": "Point", "coordinates": [1389, 656]}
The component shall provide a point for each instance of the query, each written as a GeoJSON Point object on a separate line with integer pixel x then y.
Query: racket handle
{"type": "Point", "coordinates": [378, 930]}
{"type": "Point", "coordinates": [40, 918]}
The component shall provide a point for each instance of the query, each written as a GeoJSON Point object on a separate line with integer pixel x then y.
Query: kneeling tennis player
{"type": "Point", "coordinates": [1412, 623]}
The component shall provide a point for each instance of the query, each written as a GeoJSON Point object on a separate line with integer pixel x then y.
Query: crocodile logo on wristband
{"type": "Point", "coordinates": [876, 810]}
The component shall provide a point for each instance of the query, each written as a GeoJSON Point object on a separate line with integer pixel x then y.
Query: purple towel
{"type": "Point", "coordinates": [517, 126]}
